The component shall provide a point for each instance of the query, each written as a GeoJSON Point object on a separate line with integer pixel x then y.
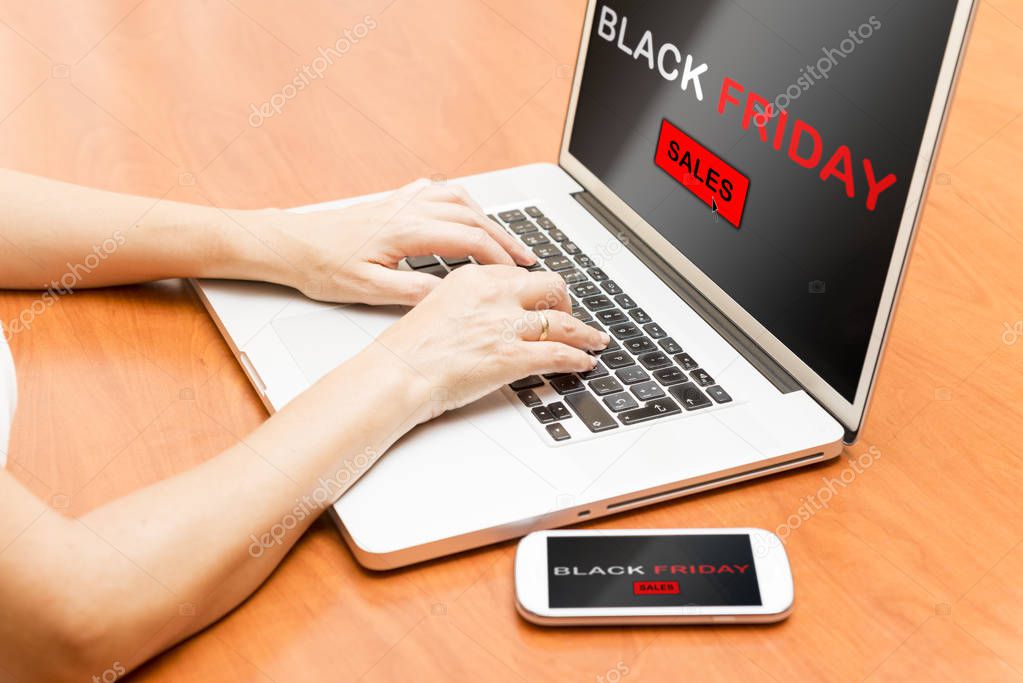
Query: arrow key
{"type": "Point", "coordinates": [657, 408]}
{"type": "Point", "coordinates": [689, 396]}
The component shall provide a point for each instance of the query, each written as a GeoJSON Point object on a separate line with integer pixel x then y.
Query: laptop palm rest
{"type": "Point", "coordinates": [319, 342]}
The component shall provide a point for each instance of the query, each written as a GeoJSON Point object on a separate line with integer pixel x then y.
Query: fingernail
{"type": "Point", "coordinates": [605, 338]}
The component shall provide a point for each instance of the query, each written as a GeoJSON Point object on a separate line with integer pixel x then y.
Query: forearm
{"type": "Point", "coordinates": [62, 236]}
{"type": "Point", "coordinates": [207, 538]}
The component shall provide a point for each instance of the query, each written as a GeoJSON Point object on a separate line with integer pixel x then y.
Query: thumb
{"type": "Point", "coordinates": [402, 287]}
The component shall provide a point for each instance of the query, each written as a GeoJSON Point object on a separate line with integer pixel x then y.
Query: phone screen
{"type": "Point", "coordinates": [651, 571]}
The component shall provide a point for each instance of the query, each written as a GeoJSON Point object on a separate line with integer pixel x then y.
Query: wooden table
{"type": "Point", "coordinates": [912, 571]}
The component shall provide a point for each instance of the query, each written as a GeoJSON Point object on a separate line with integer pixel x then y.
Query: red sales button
{"type": "Point", "coordinates": [705, 174]}
{"type": "Point", "coordinates": [655, 588]}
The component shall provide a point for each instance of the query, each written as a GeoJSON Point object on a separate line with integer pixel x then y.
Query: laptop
{"type": "Point", "coordinates": [735, 202]}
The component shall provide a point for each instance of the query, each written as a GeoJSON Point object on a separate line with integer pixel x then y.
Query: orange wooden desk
{"type": "Point", "coordinates": [911, 572]}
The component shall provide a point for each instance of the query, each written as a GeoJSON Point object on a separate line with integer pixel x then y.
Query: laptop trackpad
{"type": "Point", "coordinates": [319, 342]}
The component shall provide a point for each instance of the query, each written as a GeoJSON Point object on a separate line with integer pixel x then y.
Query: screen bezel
{"type": "Point", "coordinates": [771, 563]}
{"type": "Point", "coordinates": [849, 413]}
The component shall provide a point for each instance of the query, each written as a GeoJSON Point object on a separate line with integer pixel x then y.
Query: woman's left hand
{"type": "Point", "coordinates": [351, 255]}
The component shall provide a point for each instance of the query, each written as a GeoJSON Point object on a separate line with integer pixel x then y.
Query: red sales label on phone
{"type": "Point", "coordinates": [713, 180]}
{"type": "Point", "coordinates": [655, 588]}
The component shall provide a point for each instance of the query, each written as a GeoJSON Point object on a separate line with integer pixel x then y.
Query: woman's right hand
{"type": "Point", "coordinates": [479, 329]}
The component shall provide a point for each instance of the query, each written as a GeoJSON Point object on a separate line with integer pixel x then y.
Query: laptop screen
{"type": "Point", "coordinates": [773, 144]}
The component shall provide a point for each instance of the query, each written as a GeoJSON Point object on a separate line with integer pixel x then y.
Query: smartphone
{"type": "Point", "coordinates": [652, 576]}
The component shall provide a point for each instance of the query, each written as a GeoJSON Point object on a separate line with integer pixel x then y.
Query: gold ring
{"type": "Point", "coordinates": [545, 327]}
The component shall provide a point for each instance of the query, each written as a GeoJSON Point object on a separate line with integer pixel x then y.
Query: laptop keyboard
{"type": "Point", "coordinates": [643, 375]}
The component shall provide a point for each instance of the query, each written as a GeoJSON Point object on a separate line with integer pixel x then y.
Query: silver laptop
{"type": "Point", "coordinates": [735, 201]}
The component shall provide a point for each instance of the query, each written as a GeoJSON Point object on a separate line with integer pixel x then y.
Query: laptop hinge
{"type": "Point", "coordinates": [739, 340]}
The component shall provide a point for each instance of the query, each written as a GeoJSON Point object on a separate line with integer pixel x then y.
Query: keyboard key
{"type": "Point", "coordinates": [611, 287]}
{"type": "Point", "coordinates": [719, 394]}
{"type": "Point", "coordinates": [620, 402]}
{"type": "Point", "coordinates": [584, 261]}
{"type": "Point", "coordinates": [597, 274]}
{"type": "Point", "coordinates": [554, 375]}
{"type": "Point", "coordinates": [571, 248]}
{"type": "Point", "coordinates": [546, 223]}
{"type": "Point", "coordinates": [617, 359]}
{"type": "Point", "coordinates": [535, 238]}
{"type": "Point", "coordinates": [455, 261]}
{"type": "Point", "coordinates": [702, 378]}
{"type": "Point", "coordinates": [543, 415]}
{"type": "Point", "coordinates": [670, 346]}
{"type": "Point", "coordinates": [597, 303]}
{"type": "Point", "coordinates": [638, 345]}
{"type": "Point", "coordinates": [417, 262]}
{"type": "Point", "coordinates": [639, 315]}
{"type": "Point", "coordinates": [584, 289]}
{"type": "Point", "coordinates": [529, 398]}
{"type": "Point", "coordinates": [512, 216]}
{"type": "Point", "coordinates": [670, 375]}
{"type": "Point", "coordinates": [655, 360]}
{"type": "Point", "coordinates": [557, 263]}
{"type": "Point", "coordinates": [559, 411]}
{"type": "Point", "coordinates": [437, 270]}
{"type": "Point", "coordinates": [567, 384]}
{"type": "Point", "coordinates": [689, 396]}
{"type": "Point", "coordinates": [557, 432]}
{"type": "Point", "coordinates": [590, 412]}
{"type": "Point", "coordinates": [657, 408]}
{"type": "Point", "coordinates": [655, 331]}
{"type": "Point", "coordinates": [557, 235]}
{"type": "Point", "coordinates": [611, 317]}
{"type": "Point", "coordinates": [522, 227]}
{"type": "Point", "coordinates": [625, 330]}
{"type": "Point", "coordinates": [530, 382]}
{"type": "Point", "coordinates": [548, 250]}
{"type": "Point", "coordinates": [605, 386]}
{"type": "Point", "coordinates": [572, 276]}
{"type": "Point", "coordinates": [535, 266]}
{"type": "Point", "coordinates": [598, 371]}
{"type": "Point", "coordinates": [533, 212]}
{"type": "Point", "coordinates": [686, 361]}
{"type": "Point", "coordinates": [625, 301]}
{"type": "Point", "coordinates": [581, 314]}
{"type": "Point", "coordinates": [632, 375]}
{"type": "Point", "coordinates": [647, 391]}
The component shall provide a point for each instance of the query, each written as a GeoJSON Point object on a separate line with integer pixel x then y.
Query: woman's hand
{"type": "Point", "coordinates": [479, 329]}
{"type": "Point", "coordinates": [351, 255]}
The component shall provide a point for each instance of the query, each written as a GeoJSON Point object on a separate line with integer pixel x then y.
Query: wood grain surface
{"type": "Point", "coordinates": [911, 572]}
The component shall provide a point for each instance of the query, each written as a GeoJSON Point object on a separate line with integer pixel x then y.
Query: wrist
{"type": "Point", "coordinates": [252, 245]}
{"type": "Point", "coordinates": [392, 381]}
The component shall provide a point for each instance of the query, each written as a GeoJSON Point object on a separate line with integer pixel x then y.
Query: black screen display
{"type": "Point", "coordinates": [651, 571]}
{"type": "Point", "coordinates": [773, 144]}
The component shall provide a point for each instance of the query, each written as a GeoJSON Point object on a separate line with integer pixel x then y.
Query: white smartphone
{"type": "Point", "coordinates": [652, 576]}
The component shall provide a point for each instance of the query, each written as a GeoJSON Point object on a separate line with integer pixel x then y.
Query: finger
{"type": "Point", "coordinates": [458, 213]}
{"type": "Point", "coordinates": [401, 287]}
{"type": "Point", "coordinates": [548, 357]}
{"type": "Point", "coordinates": [453, 240]}
{"type": "Point", "coordinates": [540, 291]}
{"type": "Point", "coordinates": [564, 328]}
